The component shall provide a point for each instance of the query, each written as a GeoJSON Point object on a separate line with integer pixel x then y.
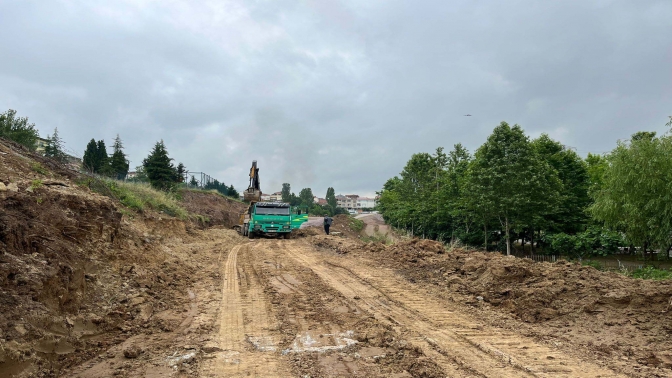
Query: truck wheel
{"type": "Point", "coordinates": [288, 235]}
{"type": "Point", "coordinates": [250, 235]}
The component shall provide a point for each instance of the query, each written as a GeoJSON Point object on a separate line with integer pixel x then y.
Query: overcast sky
{"type": "Point", "coordinates": [333, 93]}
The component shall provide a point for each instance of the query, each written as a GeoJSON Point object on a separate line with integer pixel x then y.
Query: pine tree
{"type": "Point", "coordinates": [90, 159]}
{"type": "Point", "coordinates": [160, 170]}
{"type": "Point", "coordinates": [102, 160]}
{"type": "Point", "coordinates": [193, 181]}
{"type": "Point", "coordinates": [331, 199]}
{"type": "Point", "coordinates": [181, 171]}
{"type": "Point", "coordinates": [118, 162]}
{"type": "Point", "coordinates": [54, 149]}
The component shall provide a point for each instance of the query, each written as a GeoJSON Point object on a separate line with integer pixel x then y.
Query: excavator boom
{"type": "Point", "coordinates": [253, 192]}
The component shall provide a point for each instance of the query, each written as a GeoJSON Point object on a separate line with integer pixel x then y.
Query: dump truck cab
{"type": "Point", "coordinates": [270, 218]}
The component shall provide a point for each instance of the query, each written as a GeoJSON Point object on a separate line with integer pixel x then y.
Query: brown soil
{"type": "Point", "coordinates": [219, 210]}
{"type": "Point", "coordinates": [87, 292]}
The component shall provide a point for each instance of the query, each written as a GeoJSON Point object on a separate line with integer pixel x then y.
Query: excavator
{"type": "Point", "coordinates": [266, 218]}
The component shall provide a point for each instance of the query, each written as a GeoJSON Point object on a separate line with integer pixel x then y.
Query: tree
{"type": "Point", "coordinates": [596, 166]}
{"type": "Point", "coordinates": [118, 163]}
{"type": "Point", "coordinates": [233, 192]}
{"type": "Point", "coordinates": [54, 147]}
{"type": "Point", "coordinates": [572, 171]}
{"type": "Point", "coordinates": [286, 193]}
{"type": "Point", "coordinates": [635, 196]}
{"type": "Point", "coordinates": [181, 170]}
{"type": "Point", "coordinates": [306, 197]}
{"type": "Point", "coordinates": [18, 129]}
{"type": "Point", "coordinates": [90, 159]}
{"type": "Point", "coordinates": [159, 168]}
{"type": "Point", "coordinates": [102, 160]}
{"type": "Point", "coordinates": [507, 175]}
{"type": "Point", "coordinates": [193, 181]}
{"type": "Point", "coordinates": [331, 199]}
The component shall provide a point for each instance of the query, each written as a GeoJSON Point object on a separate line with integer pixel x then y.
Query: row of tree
{"type": "Point", "coordinates": [97, 161]}
{"type": "Point", "coordinates": [306, 201]}
{"type": "Point", "coordinates": [539, 192]}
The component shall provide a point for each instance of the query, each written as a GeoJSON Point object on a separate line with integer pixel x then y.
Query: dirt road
{"type": "Point", "coordinates": [289, 309]}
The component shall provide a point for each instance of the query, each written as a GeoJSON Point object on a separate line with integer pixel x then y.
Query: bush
{"type": "Point", "coordinates": [356, 224]}
{"type": "Point", "coordinates": [651, 273]}
{"type": "Point", "coordinates": [139, 196]}
{"type": "Point", "coordinates": [18, 129]}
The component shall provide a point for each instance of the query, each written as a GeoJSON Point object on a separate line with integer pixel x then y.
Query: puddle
{"type": "Point", "coordinates": [311, 342]}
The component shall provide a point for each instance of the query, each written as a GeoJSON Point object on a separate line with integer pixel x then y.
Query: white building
{"type": "Point", "coordinates": [366, 202]}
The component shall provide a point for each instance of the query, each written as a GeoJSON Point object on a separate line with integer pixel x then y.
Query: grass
{"type": "Point", "coordinates": [377, 237]}
{"type": "Point", "coordinates": [651, 273]}
{"type": "Point", "coordinates": [37, 167]}
{"type": "Point", "coordinates": [356, 224]}
{"type": "Point", "coordinates": [139, 196]}
{"type": "Point", "coordinates": [36, 184]}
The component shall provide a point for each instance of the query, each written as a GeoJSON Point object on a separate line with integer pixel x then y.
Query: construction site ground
{"type": "Point", "coordinates": [89, 289]}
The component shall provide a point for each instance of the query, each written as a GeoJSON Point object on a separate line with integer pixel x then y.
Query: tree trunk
{"type": "Point", "coordinates": [533, 250]}
{"type": "Point", "coordinates": [508, 240]}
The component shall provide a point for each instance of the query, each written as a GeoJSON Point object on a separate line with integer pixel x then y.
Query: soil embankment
{"type": "Point", "coordinates": [620, 320]}
{"type": "Point", "coordinates": [80, 281]}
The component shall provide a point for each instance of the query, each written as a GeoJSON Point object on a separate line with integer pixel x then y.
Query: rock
{"type": "Point", "coordinates": [479, 298]}
{"type": "Point", "coordinates": [132, 352]}
{"type": "Point", "coordinates": [29, 189]}
{"type": "Point", "coordinates": [12, 187]}
{"type": "Point", "coordinates": [137, 300]}
{"type": "Point", "coordinates": [3, 188]}
{"type": "Point", "coordinates": [211, 347]}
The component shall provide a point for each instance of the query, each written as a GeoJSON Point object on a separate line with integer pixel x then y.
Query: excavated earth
{"type": "Point", "coordinates": [91, 289]}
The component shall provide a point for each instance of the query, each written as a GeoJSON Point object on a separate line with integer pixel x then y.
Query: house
{"type": "Point", "coordinates": [40, 144]}
{"type": "Point", "coordinates": [366, 203]}
{"type": "Point", "coordinates": [348, 202]}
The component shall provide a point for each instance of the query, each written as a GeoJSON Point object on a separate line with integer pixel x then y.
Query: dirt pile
{"type": "Point", "coordinates": [77, 277]}
{"type": "Point", "coordinates": [219, 210]}
{"type": "Point", "coordinates": [602, 312]}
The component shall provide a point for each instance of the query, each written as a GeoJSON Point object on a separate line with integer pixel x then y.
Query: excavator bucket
{"type": "Point", "coordinates": [252, 195]}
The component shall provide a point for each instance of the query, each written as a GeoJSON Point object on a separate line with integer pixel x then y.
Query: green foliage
{"type": "Point", "coordinates": [138, 196]}
{"type": "Point", "coordinates": [651, 273]}
{"type": "Point", "coordinates": [90, 159]}
{"type": "Point", "coordinates": [594, 241]}
{"type": "Point", "coordinates": [356, 224]}
{"type": "Point", "coordinates": [18, 129]}
{"type": "Point", "coordinates": [286, 192]}
{"type": "Point", "coordinates": [307, 198]}
{"type": "Point", "coordinates": [118, 163]}
{"type": "Point", "coordinates": [635, 196]}
{"type": "Point", "coordinates": [331, 199]}
{"type": "Point", "coordinates": [36, 184]}
{"type": "Point", "coordinates": [509, 180]}
{"type": "Point", "coordinates": [594, 264]}
{"type": "Point", "coordinates": [193, 181]}
{"type": "Point", "coordinates": [37, 167]}
{"type": "Point", "coordinates": [221, 188]}
{"type": "Point", "coordinates": [596, 166]}
{"type": "Point", "coordinates": [160, 171]}
{"type": "Point", "coordinates": [54, 147]}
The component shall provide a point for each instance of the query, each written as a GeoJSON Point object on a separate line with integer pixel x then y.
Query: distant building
{"type": "Point", "coordinates": [366, 203]}
{"type": "Point", "coordinates": [348, 202]}
{"type": "Point", "coordinates": [40, 144]}
{"type": "Point", "coordinates": [131, 175]}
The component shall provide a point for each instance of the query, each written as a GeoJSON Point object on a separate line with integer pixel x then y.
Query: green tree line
{"type": "Point", "coordinates": [305, 200]}
{"type": "Point", "coordinates": [539, 192]}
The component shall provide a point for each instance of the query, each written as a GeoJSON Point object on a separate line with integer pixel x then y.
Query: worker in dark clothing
{"type": "Point", "coordinates": [327, 223]}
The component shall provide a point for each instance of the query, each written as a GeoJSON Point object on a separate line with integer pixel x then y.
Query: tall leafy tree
{"type": "Point", "coordinates": [635, 197]}
{"type": "Point", "coordinates": [159, 168]}
{"type": "Point", "coordinates": [18, 129]}
{"type": "Point", "coordinates": [307, 198]}
{"type": "Point", "coordinates": [596, 165]}
{"type": "Point", "coordinates": [286, 193]}
{"type": "Point", "coordinates": [118, 162]}
{"type": "Point", "coordinates": [572, 171]}
{"type": "Point", "coordinates": [331, 199]}
{"type": "Point", "coordinates": [90, 159]}
{"type": "Point", "coordinates": [509, 175]}
{"type": "Point", "coordinates": [54, 147]}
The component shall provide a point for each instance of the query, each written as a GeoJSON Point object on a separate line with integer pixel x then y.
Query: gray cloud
{"type": "Point", "coordinates": [336, 93]}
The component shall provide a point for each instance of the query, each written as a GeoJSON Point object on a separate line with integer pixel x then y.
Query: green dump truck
{"type": "Point", "coordinates": [272, 218]}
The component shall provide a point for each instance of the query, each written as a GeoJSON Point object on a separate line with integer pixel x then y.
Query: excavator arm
{"type": "Point", "coordinates": [253, 192]}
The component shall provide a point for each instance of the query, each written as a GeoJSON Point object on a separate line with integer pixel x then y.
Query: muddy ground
{"type": "Point", "coordinates": [90, 289]}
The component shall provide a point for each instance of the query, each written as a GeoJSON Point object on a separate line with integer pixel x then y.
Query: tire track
{"type": "Point", "coordinates": [244, 345]}
{"type": "Point", "coordinates": [448, 337]}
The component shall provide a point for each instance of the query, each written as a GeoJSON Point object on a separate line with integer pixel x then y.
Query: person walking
{"type": "Point", "coordinates": [327, 223]}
